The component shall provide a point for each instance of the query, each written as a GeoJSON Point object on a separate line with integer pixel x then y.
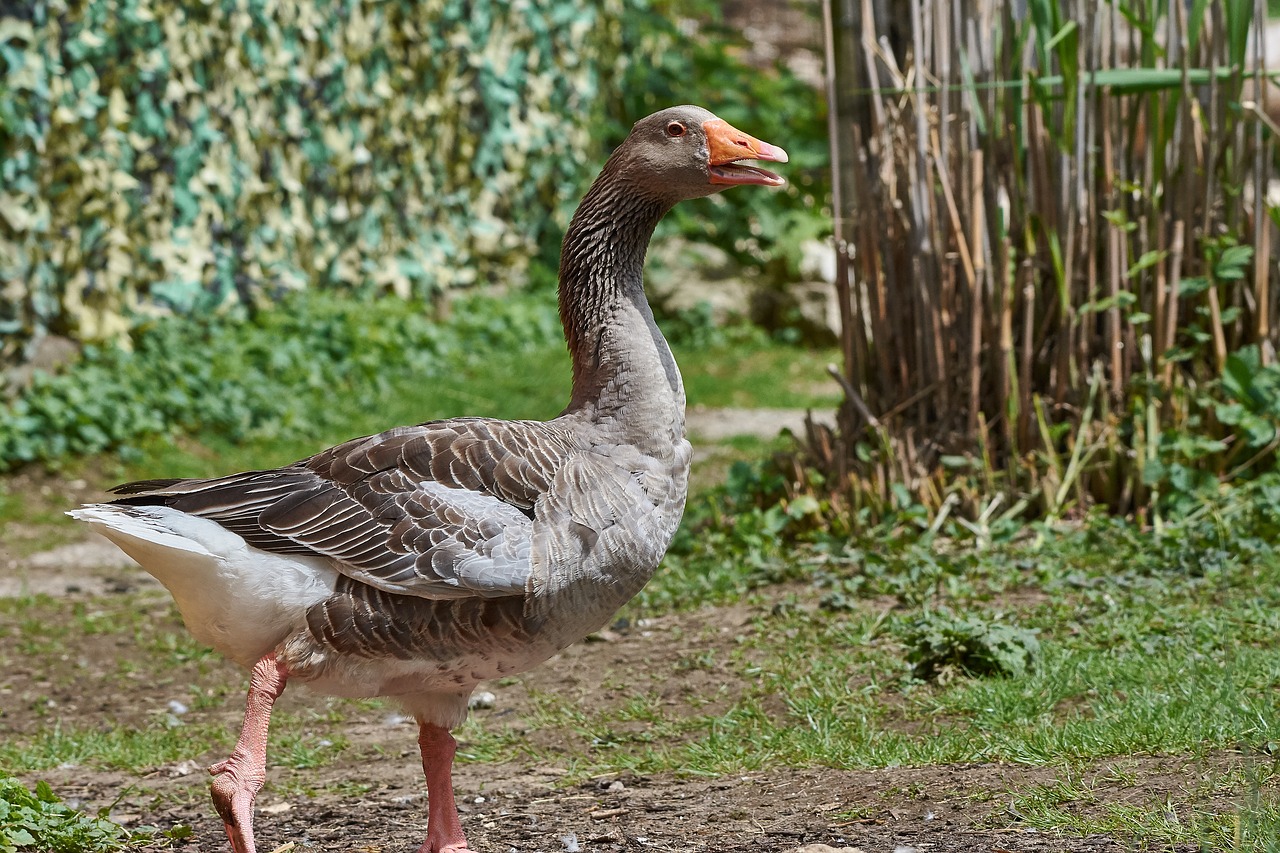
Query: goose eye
{"type": "Point", "coordinates": [675, 129]}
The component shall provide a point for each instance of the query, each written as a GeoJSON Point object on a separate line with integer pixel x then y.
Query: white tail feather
{"type": "Point", "coordinates": [239, 599]}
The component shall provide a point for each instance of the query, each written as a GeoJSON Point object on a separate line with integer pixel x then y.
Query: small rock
{"type": "Point", "coordinates": [183, 768]}
{"type": "Point", "coordinates": [616, 786]}
{"type": "Point", "coordinates": [481, 701]}
{"type": "Point", "coordinates": [570, 843]}
{"type": "Point", "coordinates": [823, 848]}
{"type": "Point", "coordinates": [394, 720]}
{"type": "Point", "coordinates": [276, 808]}
{"type": "Point", "coordinates": [176, 707]}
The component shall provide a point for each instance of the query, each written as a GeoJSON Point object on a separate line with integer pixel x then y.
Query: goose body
{"type": "Point", "coordinates": [417, 562]}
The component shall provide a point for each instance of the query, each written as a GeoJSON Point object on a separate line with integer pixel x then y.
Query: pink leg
{"type": "Point", "coordinates": [239, 779]}
{"type": "Point", "coordinates": [444, 829]}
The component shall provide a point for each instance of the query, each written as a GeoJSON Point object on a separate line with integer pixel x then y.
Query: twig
{"type": "Point", "coordinates": [853, 396]}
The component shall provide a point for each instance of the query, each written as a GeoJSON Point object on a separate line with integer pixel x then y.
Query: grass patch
{"type": "Point", "coordinates": [269, 375]}
{"type": "Point", "coordinates": [530, 383]}
{"type": "Point", "coordinates": [1146, 649]}
{"type": "Point", "coordinates": [117, 748]}
{"type": "Point", "coordinates": [1088, 806]}
{"type": "Point", "coordinates": [757, 374]}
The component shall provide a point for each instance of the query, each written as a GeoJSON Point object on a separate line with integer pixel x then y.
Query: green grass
{"type": "Point", "coordinates": [1139, 657]}
{"type": "Point", "coordinates": [758, 374]}
{"type": "Point", "coordinates": [531, 384]}
{"type": "Point", "coordinates": [1254, 826]}
{"type": "Point", "coordinates": [1147, 648]}
{"type": "Point", "coordinates": [136, 749]}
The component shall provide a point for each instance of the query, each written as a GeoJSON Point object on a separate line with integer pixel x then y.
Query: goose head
{"type": "Point", "coordinates": [688, 152]}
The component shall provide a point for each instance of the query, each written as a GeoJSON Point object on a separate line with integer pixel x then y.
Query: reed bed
{"type": "Point", "coordinates": [1053, 229]}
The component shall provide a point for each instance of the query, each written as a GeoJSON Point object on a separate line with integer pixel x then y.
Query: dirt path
{"type": "Point", "coordinates": [930, 810]}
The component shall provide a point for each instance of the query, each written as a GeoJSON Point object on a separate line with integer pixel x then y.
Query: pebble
{"type": "Point", "coordinates": [823, 848]}
{"type": "Point", "coordinates": [482, 701]}
{"type": "Point", "coordinates": [183, 768]}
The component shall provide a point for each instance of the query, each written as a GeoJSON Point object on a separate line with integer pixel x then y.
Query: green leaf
{"type": "Point", "coordinates": [1232, 263]}
{"type": "Point", "coordinates": [1238, 372]}
{"type": "Point", "coordinates": [1192, 285]}
{"type": "Point", "coordinates": [1148, 260]}
{"type": "Point", "coordinates": [1121, 299]}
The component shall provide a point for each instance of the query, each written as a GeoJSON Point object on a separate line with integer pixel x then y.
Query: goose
{"type": "Point", "coordinates": [417, 562]}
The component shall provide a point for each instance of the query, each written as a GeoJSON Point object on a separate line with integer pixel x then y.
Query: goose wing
{"type": "Point", "coordinates": [439, 510]}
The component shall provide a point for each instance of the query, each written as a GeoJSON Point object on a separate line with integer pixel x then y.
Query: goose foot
{"type": "Point", "coordinates": [238, 780]}
{"type": "Point", "coordinates": [444, 828]}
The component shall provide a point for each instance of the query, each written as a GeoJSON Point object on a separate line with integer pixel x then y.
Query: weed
{"type": "Point", "coordinates": [40, 821]}
{"type": "Point", "coordinates": [941, 644]}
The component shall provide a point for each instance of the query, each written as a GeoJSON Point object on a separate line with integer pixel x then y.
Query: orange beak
{"type": "Point", "coordinates": [727, 145]}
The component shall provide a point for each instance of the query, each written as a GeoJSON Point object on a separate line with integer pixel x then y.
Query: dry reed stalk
{"type": "Point", "coordinates": [1261, 227]}
{"type": "Point", "coordinates": [1017, 220]}
{"type": "Point", "coordinates": [1176, 247]}
{"type": "Point", "coordinates": [1004, 362]}
{"type": "Point", "coordinates": [977, 252]}
{"type": "Point", "coordinates": [1025, 393]}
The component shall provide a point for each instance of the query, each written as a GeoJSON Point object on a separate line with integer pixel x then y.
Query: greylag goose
{"type": "Point", "coordinates": [415, 563]}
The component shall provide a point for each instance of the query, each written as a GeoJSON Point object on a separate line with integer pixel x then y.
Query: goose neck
{"type": "Point", "coordinates": [623, 372]}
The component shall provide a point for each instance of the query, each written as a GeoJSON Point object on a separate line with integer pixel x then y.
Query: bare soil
{"type": "Point", "coordinates": [507, 807]}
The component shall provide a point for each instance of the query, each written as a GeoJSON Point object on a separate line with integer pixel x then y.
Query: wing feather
{"type": "Point", "coordinates": [440, 510]}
